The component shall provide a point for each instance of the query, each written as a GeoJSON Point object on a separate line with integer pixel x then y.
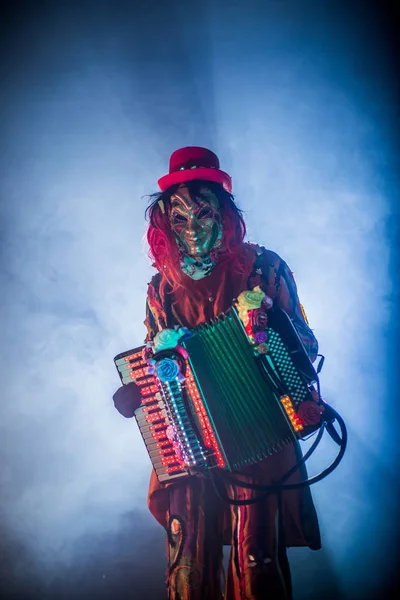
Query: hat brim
{"type": "Point", "coordinates": [215, 175]}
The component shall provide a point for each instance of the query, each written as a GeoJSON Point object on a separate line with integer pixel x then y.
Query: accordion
{"type": "Point", "coordinates": [214, 402]}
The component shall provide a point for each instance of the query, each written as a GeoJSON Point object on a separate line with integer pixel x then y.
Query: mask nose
{"type": "Point", "coordinates": [194, 226]}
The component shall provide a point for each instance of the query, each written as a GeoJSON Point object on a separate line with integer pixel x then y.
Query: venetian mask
{"type": "Point", "coordinates": [195, 222]}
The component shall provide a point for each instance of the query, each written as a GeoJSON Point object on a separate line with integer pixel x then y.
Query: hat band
{"type": "Point", "coordinates": [204, 173]}
{"type": "Point", "coordinates": [196, 167]}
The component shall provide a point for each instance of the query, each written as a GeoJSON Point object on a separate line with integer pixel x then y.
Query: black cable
{"type": "Point", "coordinates": [296, 467]}
{"type": "Point", "coordinates": [321, 363]}
{"type": "Point", "coordinates": [221, 493]}
{"type": "Point", "coordinates": [307, 455]}
{"type": "Point", "coordinates": [332, 414]}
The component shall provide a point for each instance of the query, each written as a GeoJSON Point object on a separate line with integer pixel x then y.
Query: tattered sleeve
{"type": "Point", "coordinates": [155, 312]}
{"type": "Point", "coordinates": [288, 300]}
{"type": "Point", "coordinates": [150, 323]}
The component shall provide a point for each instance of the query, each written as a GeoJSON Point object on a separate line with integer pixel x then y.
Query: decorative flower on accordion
{"type": "Point", "coordinates": [252, 306]}
{"type": "Point", "coordinates": [267, 302]}
{"type": "Point", "coordinates": [251, 298]}
{"type": "Point", "coordinates": [310, 412]}
{"type": "Point", "coordinates": [167, 339]}
{"type": "Point", "coordinates": [147, 352]}
{"type": "Point", "coordinates": [167, 369]}
{"type": "Point", "coordinates": [262, 348]}
{"type": "Point", "coordinates": [247, 301]}
{"type": "Point", "coordinates": [260, 337]}
{"type": "Point", "coordinates": [258, 319]}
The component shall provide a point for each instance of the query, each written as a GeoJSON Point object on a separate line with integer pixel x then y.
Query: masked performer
{"type": "Point", "coordinates": [196, 235]}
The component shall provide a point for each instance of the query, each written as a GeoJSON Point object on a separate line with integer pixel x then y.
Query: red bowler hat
{"type": "Point", "coordinates": [191, 163]}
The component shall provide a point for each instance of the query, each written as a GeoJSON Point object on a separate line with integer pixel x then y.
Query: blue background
{"type": "Point", "coordinates": [300, 101]}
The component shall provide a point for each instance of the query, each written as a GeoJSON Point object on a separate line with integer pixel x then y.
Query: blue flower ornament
{"type": "Point", "coordinates": [167, 370]}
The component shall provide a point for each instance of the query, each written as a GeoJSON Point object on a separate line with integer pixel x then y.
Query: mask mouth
{"type": "Point", "coordinates": [198, 241]}
{"type": "Point", "coordinates": [197, 249]}
{"type": "Point", "coordinates": [195, 240]}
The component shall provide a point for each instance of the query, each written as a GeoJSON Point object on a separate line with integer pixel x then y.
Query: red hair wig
{"type": "Point", "coordinates": [163, 247]}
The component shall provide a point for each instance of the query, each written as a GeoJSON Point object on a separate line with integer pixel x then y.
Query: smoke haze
{"type": "Point", "coordinates": [298, 101]}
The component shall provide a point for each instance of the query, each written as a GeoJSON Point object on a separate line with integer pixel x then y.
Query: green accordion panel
{"type": "Point", "coordinates": [246, 414]}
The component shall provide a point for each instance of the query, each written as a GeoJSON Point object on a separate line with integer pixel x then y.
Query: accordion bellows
{"type": "Point", "coordinates": [230, 406]}
{"type": "Point", "coordinates": [244, 411]}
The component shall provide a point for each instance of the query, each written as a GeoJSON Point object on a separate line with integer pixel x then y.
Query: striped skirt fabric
{"type": "Point", "coordinates": [257, 568]}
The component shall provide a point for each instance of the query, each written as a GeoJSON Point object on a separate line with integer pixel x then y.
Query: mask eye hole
{"type": "Point", "coordinates": [177, 218]}
{"type": "Point", "coordinates": [205, 213]}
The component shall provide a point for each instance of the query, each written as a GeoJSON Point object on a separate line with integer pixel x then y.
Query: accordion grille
{"type": "Point", "coordinates": [245, 412]}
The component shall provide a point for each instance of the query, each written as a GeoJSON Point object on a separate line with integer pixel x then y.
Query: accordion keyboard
{"type": "Point", "coordinates": [153, 416]}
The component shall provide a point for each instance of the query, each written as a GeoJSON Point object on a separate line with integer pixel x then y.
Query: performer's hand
{"type": "Point", "coordinates": [127, 399]}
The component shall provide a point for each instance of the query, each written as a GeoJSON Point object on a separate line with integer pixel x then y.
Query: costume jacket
{"type": "Point", "coordinates": [205, 299]}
